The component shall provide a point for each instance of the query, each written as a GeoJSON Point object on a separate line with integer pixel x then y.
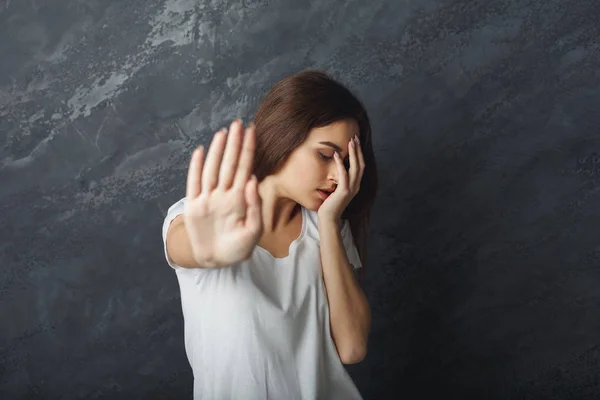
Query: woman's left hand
{"type": "Point", "coordinates": [348, 183]}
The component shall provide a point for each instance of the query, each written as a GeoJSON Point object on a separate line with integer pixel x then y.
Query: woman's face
{"type": "Point", "coordinates": [311, 166]}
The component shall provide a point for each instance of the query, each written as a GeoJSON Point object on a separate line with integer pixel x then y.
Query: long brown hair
{"type": "Point", "coordinates": [291, 109]}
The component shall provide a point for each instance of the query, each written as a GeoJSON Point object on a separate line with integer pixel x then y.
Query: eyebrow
{"type": "Point", "coordinates": [333, 145]}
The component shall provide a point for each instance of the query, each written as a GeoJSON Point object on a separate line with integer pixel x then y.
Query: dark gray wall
{"type": "Point", "coordinates": [484, 272]}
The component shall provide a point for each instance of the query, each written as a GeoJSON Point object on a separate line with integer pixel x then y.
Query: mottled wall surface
{"type": "Point", "coordinates": [484, 263]}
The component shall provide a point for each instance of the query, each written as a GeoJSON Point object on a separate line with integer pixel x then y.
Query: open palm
{"type": "Point", "coordinates": [222, 215]}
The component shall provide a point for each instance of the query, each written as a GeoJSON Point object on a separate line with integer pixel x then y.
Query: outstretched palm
{"type": "Point", "coordinates": [223, 216]}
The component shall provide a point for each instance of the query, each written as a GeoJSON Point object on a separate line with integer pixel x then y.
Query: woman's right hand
{"type": "Point", "coordinates": [222, 213]}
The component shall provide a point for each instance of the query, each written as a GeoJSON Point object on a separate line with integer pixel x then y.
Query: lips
{"type": "Point", "coordinates": [324, 193]}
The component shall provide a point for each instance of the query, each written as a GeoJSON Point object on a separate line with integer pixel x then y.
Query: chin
{"type": "Point", "coordinates": [312, 204]}
{"type": "Point", "coordinates": [315, 208]}
{"type": "Point", "coordinates": [311, 201]}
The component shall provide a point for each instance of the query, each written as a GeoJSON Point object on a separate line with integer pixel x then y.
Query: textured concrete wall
{"type": "Point", "coordinates": [484, 265]}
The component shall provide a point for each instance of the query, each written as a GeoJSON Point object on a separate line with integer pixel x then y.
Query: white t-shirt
{"type": "Point", "coordinates": [259, 329]}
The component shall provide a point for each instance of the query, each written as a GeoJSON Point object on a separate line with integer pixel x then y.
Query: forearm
{"type": "Point", "coordinates": [350, 314]}
{"type": "Point", "coordinates": [180, 249]}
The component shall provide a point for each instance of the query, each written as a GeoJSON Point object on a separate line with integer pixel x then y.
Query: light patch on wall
{"type": "Point", "coordinates": [86, 98]}
{"type": "Point", "coordinates": [176, 23]}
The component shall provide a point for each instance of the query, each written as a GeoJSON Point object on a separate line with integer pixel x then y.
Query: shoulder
{"type": "Point", "coordinates": [174, 211]}
{"type": "Point", "coordinates": [177, 207]}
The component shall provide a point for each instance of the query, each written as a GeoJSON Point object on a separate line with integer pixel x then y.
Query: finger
{"type": "Point", "coordinates": [230, 158]}
{"type": "Point", "coordinates": [194, 174]}
{"type": "Point", "coordinates": [213, 161]}
{"type": "Point", "coordinates": [361, 159]}
{"type": "Point", "coordinates": [353, 170]}
{"type": "Point", "coordinates": [246, 161]}
{"type": "Point", "coordinates": [342, 174]}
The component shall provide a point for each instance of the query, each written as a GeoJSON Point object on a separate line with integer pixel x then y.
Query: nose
{"type": "Point", "coordinates": [332, 173]}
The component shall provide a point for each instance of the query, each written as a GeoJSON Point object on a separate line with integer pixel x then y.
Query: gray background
{"type": "Point", "coordinates": [484, 265]}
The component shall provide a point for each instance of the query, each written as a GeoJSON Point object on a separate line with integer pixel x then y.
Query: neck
{"type": "Point", "coordinates": [278, 209]}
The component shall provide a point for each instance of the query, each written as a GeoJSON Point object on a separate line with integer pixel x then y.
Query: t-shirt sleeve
{"type": "Point", "coordinates": [172, 212]}
{"type": "Point", "coordinates": [351, 250]}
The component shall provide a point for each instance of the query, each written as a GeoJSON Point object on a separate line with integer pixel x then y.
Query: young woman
{"type": "Point", "coordinates": [264, 248]}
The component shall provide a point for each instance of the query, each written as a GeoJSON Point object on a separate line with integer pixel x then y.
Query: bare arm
{"type": "Point", "coordinates": [179, 249]}
{"type": "Point", "coordinates": [350, 314]}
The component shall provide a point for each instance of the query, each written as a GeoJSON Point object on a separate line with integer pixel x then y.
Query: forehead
{"type": "Point", "coordinates": [340, 131]}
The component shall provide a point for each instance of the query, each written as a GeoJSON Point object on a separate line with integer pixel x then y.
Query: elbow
{"type": "Point", "coordinates": [353, 355]}
{"type": "Point", "coordinates": [353, 349]}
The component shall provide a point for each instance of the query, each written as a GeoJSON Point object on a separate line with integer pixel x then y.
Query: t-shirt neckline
{"type": "Point", "coordinates": [294, 244]}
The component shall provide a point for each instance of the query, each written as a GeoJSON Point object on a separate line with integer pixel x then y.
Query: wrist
{"type": "Point", "coordinates": [328, 221]}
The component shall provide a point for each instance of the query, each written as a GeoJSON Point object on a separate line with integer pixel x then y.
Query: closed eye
{"type": "Point", "coordinates": [328, 158]}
